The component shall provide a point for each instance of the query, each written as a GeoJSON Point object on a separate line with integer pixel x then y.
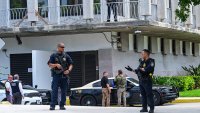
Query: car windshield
{"type": "Point", "coordinates": [133, 80]}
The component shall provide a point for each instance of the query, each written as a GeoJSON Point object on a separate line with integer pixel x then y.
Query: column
{"type": "Point", "coordinates": [188, 48]}
{"type": "Point", "coordinates": [167, 46]}
{"type": "Point", "coordinates": [174, 4]}
{"type": "Point", "coordinates": [178, 47]}
{"type": "Point", "coordinates": [4, 13]}
{"type": "Point", "coordinates": [125, 41]}
{"type": "Point", "coordinates": [32, 6]}
{"type": "Point", "coordinates": [142, 42]}
{"type": "Point", "coordinates": [189, 21]}
{"type": "Point", "coordinates": [154, 45]}
{"type": "Point", "coordinates": [103, 10]}
{"type": "Point", "coordinates": [126, 10]}
{"type": "Point", "coordinates": [162, 10]}
{"type": "Point", "coordinates": [54, 11]}
{"type": "Point", "coordinates": [144, 8]}
{"type": "Point", "coordinates": [88, 9]}
{"type": "Point", "coordinates": [198, 17]}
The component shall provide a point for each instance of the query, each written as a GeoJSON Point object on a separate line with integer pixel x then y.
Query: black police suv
{"type": "Point", "coordinates": [91, 94]}
{"type": "Point", "coordinates": [44, 93]}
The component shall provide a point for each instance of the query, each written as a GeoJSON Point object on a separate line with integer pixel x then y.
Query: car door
{"type": "Point", "coordinates": [133, 93]}
{"type": "Point", "coordinates": [2, 92]}
{"type": "Point", "coordinates": [113, 95]}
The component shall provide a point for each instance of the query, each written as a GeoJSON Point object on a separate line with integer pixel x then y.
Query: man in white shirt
{"type": "Point", "coordinates": [17, 90]}
{"type": "Point", "coordinates": [8, 88]}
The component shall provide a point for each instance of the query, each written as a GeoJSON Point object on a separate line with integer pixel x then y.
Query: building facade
{"type": "Point", "coordinates": [32, 28]}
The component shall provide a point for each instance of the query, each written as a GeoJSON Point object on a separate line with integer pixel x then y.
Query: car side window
{"type": "Point", "coordinates": [97, 84]}
{"type": "Point", "coordinates": [111, 82]}
{"type": "Point", "coordinates": [2, 86]}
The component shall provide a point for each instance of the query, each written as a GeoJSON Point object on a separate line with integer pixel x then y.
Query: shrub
{"type": "Point", "coordinates": [192, 70]}
{"type": "Point", "coordinates": [183, 83]}
{"type": "Point", "coordinates": [197, 81]}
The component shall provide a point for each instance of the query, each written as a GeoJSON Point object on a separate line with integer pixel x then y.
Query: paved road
{"type": "Point", "coordinates": [170, 108]}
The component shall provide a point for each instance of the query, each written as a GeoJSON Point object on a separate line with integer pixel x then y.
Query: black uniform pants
{"type": "Point", "coordinates": [147, 94]}
{"type": "Point", "coordinates": [17, 98]}
{"type": "Point", "coordinates": [62, 82]}
{"type": "Point", "coordinates": [112, 6]}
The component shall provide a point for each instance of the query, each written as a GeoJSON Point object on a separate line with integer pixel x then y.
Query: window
{"type": "Point", "coordinates": [97, 84]}
{"type": "Point", "coordinates": [193, 49]}
{"type": "Point", "coordinates": [70, 2]}
{"type": "Point", "coordinates": [18, 4]}
{"type": "Point", "coordinates": [170, 4]}
{"type": "Point", "coordinates": [149, 44]}
{"type": "Point", "coordinates": [2, 86]}
{"type": "Point", "coordinates": [71, 8]}
{"type": "Point", "coordinates": [18, 9]}
{"type": "Point", "coordinates": [135, 43]}
{"type": "Point", "coordinates": [43, 8]}
{"type": "Point", "coordinates": [174, 47]}
{"type": "Point", "coordinates": [184, 48]}
{"type": "Point", "coordinates": [162, 45]}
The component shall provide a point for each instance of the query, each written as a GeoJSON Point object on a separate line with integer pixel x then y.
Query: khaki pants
{"type": "Point", "coordinates": [105, 97]}
{"type": "Point", "coordinates": [121, 92]}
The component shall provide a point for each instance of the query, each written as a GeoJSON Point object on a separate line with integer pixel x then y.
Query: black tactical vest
{"type": "Point", "coordinates": [15, 86]}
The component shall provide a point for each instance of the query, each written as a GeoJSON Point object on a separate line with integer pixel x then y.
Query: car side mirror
{"type": "Point", "coordinates": [36, 86]}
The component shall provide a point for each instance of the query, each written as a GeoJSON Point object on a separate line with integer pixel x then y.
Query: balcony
{"type": "Point", "coordinates": [70, 14]}
{"type": "Point", "coordinates": [70, 19]}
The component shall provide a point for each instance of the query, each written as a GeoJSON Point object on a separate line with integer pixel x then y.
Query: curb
{"type": "Point", "coordinates": [5, 103]}
{"type": "Point", "coordinates": [187, 100]}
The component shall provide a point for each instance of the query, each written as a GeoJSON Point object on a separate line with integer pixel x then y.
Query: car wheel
{"type": "Point", "coordinates": [156, 98]}
{"type": "Point", "coordinates": [88, 101]}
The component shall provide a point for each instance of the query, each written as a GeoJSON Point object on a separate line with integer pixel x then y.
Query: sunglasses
{"type": "Point", "coordinates": [61, 46]}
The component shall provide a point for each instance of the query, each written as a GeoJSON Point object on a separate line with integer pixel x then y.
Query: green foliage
{"type": "Point", "coordinates": [184, 8]}
{"type": "Point", "coordinates": [195, 71]}
{"type": "Point", "coordinates": [197, 81]}
{"type": "Point", "coordinates": [183, 83]}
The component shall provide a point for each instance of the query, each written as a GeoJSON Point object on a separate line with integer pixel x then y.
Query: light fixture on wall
{"type": "Point", "coordinates": [5, 51]}
{"type": "Point", "coordinates": [19, 41]}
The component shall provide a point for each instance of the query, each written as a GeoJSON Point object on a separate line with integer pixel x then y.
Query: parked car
{"type": "Point", "coordinates": [31, 97]}
{"type": "Point", "coordinates": [45, 94]}
{"type": "Point", "coordinates": [91, 94]}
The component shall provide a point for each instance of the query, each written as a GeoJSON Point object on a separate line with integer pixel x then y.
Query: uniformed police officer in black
{"type": "Point", "coordinates": [61, 65]}
{"type": "Point", "coordinates": [145, 72]}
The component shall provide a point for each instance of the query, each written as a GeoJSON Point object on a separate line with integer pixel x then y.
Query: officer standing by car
{"type": "Point", "coordinates": [145, 72]}
{"type": "Point", "coordinates": [61, 65]}
{"type": "Point", "coordinates": [17, 90]}
{"type": "Point", "coordinates": [120, 81]}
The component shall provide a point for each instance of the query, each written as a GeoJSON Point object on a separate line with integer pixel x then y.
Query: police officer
{"type": "Point", "coordinates": [61, 65]}
{"type": "Point", "coordinates": [112, 5]}
{"type": "Point", "coordinates": [145, 72]}
{"type": "Point", "coordinates": [8, 88]}
{"type": "Point", "coordinates": [17, 90]}
{"type": "Point", "coordinates": [120, 81]}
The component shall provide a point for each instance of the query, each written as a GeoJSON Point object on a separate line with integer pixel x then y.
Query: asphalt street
{"type": "Point", "coordinates": [169, 108]}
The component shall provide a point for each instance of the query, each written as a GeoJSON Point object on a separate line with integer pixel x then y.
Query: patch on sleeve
{"type": "Point", "coordinates": [152, 64]}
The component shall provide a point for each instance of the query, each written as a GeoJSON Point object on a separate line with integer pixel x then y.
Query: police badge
{"type": "Point", "coordinates": [64, 59]}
